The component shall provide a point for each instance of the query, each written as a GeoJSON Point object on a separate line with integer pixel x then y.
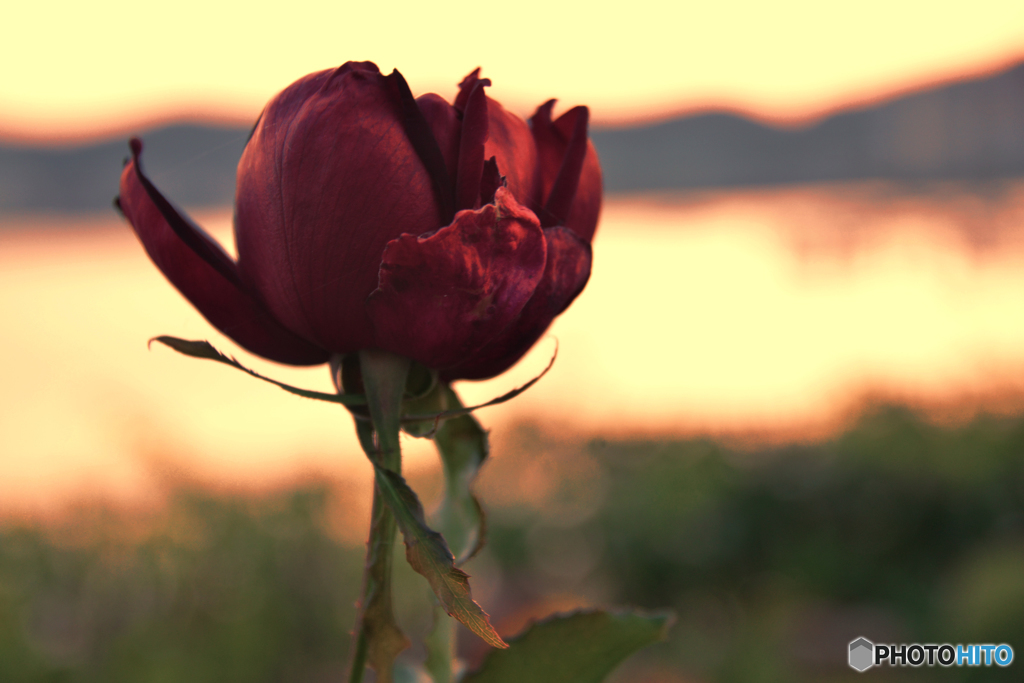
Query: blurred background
{"type": "Point", "coordinates": [789, 405]}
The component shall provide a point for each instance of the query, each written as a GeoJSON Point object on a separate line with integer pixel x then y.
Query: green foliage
{"type": "Point", "coordinates": [223, 590]}
{"type": "Point", "coordinates": [898, 530]}
{"type": "Point", "coordinates": [583, 647]}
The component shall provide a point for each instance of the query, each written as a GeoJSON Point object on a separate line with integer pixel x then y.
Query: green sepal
{"type": "Point", "coordinates": [204, 349]}
{"type": "Point", "coordinates": [581, 647]}
{"type": "Point", "coordinates": [437, 418]}
{"type": "Point", "coordinates": [432, 404]}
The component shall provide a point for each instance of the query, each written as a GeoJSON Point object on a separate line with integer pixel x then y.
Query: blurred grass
{"type": "Point", "coordinates": [897, 530]}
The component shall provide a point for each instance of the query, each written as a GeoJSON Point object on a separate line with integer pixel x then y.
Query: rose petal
{"type": "Point", "coordinates": [563, 191]}
{"type": "Point", "coordinates": [420, 134]}
{"type": "Point", "coordinates": [328, 179]}
{"type": "Point", "coordinates": [565, 275]}
{"type": "Point", "coordinates": [446, 125]}
{"type": "Point", "coordinates": [510, 142]}
{"type": "Point", "coordinates": [446, 294]}
{"type": "Point", "coordinates": [553, 146]}
{"type": "Point", "coordinates": [200, 269]}
{"type": "Point", "coordinates": [471, 148]}
{"type": "Point", "coordinates": [491, 179]}
{"type": "Point", "coordinates": [466, 86]}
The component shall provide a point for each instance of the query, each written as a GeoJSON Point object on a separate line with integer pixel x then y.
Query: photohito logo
{"type": "Point", "coordinates": [864, 654]}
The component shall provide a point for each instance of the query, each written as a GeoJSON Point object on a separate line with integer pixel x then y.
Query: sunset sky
{"type": "Point", "coordinates": [740, 331]}
{"type": "Point", "coordinates": [77, 69]}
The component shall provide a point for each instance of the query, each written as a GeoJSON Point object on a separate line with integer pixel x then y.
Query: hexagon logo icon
{"type": "Point", "coordinates": [862, 654]}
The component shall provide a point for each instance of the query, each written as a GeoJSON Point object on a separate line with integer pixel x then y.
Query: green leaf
{"type": "Point", "coordinates": [204, 349]}
{"type": "Point", "coordinates": [582, 647]}
{"type": "Point", "coordinates": [462, 443]}
{"type": "Point", "coordinates": [428, 554]}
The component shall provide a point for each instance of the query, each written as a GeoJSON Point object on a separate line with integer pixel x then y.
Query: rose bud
{"type": "Point", "coordinates": [452, 234]}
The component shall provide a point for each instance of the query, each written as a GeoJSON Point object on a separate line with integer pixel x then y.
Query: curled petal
{"type": "Point", "coordinates": [471, 148]}
{"type": "Point", "coordinates": [566, 272]}
{"type": "Point", "coordinates": [563, 191]}
{"type": "Point", "coordinates": [508, 140]}
{"type": "Point", "coordinates": [466, 87]}
{"type": "Point", "coordinates": [445, 294]}
{"type": "Point", "coordinates": [200, 269]}
{"type": "Point", "coordinates": [569, 191]}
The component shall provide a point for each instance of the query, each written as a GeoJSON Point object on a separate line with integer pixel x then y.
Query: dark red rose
{"type": "Point", "coordinates": [449, 233]}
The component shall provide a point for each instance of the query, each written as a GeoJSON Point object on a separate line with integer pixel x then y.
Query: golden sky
{"type": "Point", "coordinates": [73, 68]}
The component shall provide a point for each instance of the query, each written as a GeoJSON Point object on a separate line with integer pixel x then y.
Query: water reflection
{"type": "Point", "coordinates": [771, 313]}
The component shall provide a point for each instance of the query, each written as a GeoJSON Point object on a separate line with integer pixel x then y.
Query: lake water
{"type": "Point", "coordinates": [753, 314]}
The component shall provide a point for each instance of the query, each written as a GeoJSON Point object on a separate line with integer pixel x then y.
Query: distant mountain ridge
{"type": "Point", "coordinates": [194, 165]}
{"type": "Point", "coordinates": [969, 130]}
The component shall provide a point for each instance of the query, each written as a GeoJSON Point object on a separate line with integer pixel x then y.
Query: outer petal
{"type": "Point", "coordinates": [553, 143]}
{"type": "Point", "coordinates": [327, 180]}
{"type": "Point", "coordinates": [446, 294]}
{"type": "Point", "coordinates": [210, 281]}
{"type": "Point", "coordinates": [446, 125]}
{"type": "Point", "coordinates": [565, 275]}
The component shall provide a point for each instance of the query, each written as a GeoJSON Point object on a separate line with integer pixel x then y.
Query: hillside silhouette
{"type": "Point", "coordinates": [970, 130]}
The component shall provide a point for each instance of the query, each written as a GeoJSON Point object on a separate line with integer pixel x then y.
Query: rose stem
{"type": "Point", "coordinates": [384, 377]}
